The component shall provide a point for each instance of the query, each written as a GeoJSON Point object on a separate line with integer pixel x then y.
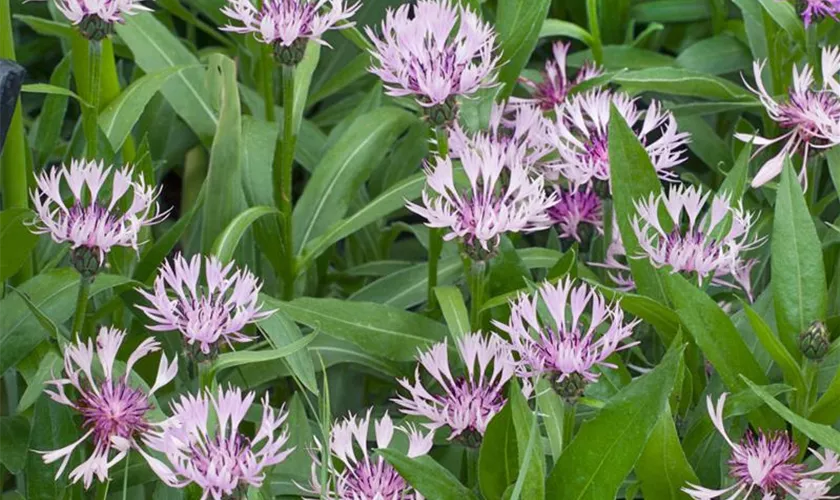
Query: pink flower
{"type": "Point", "coordinates": [113, 412]}
{"type": "Point", "coordinates": [362, 476]}
{"type": "Point", "coordinates": [204, 446]}
{"type": "Point", "coordinates": [512, 127]}
{"type": "Point", "coordinates": [579, 130]}
{"type": "Point", "coordinates": [811, 115]}
{"type": "Point", "coordinates": [764, 464]}
{"type": "Point", "coordinates": [469, 402]}
{"type": "Point", "coordinates": [555, 85]}
{"type": "Point", "coordinates": [711, 246]}
{"type": "Point", "coordinates": [435, 51]}
{"type": "Point", "coordinates": [502, 197]}
{"type": "Point", "coordinates": [206, 313]}
{"type": "Point", "coordinates": [575, 208]}
{"type": "Point", "coordinates": [96, 17]}
{"type": "Point", "coordinates": [96, 219]}
{"type": "Point", "coordinates": [615, 261]}
{"type": "Point", "coordinates": [819, 9]}
{"type": "Point", "coordinates": [567, 349]}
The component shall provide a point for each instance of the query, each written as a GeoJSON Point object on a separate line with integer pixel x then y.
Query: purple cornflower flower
{"type": "Point", "coordinates": [469, 402]}
{"type": "Point", "coordinates": [96, 220]}
{"type": "Point", "coordinates": [205, 314]}
{"type": "Point", "coordinates": [555, 85]}
{"type": "Point", "coordinates": [811, 115]}
{"type": "Point", "coordinates": [764, 465]}
{"type": "Point", "coordinates": [113, 412]}
{"type": "Point", "coordinates": [95, 18]}
{"type": "Point", "coordinates": [513, 127]}
{"type": "Point", "coordinates": [573, 209]}
{"type": "Point", "coordinates": [435, 51]}
{"type": "Point", "coordinates": [288, 24]}
{"type": "Point", "coordinates": [493, 204]}
{"type": "Point", "coordinates": [579, 130]}
{"type": "Point", "coordinates": [363, 476]}
{"type": "Point", "coordinates": [819, 9]}
{"type": "Point", "coordinates": [203, 446]}
{"type": "Point", "coordinates": [712, 246]}
{"type": "Point", "coordinates": [566, 350]}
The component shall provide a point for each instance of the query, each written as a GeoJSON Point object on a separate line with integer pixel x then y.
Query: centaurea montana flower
{"type": "Point", "coordinates": [288, 24]}
{"type": "Point", "coordinates": [468, 402]}
{"type": "Point", "coordinates": [577, 213]}
{"type": "Point", "coordinates": [810, 116]}
{"type": "Point", "coordinates": [579, 135]}
{"type": "Point", "coordinates": [709, 247]}
{"type": "Point", "coordinates": [436, 51]}
{"type": "Point", "coordinates": [203, 445]}
{"type": "Point", "coordinates": [95, 18]}
{"type": "Point", "coordinates": [556, 84]}
{"type": "Point", "coordinates": [615, 262]}
{"type": "Point", "coordinates": [567, 349]}
{"type": "Point", "coordinates": [108, 208]}
{"type": "Point", "coordinates": [209, 313]}
{"type": "Point", "coordinates": [764, 464]}
{"type": "Point", "coordinates": [815, 9]}
{"type": "Point", "coordinates": [113, 411]}
{"type": "Point", "coordinates": [363, 476]}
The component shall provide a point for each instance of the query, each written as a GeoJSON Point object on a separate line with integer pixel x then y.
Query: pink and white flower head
{"type": "Point", "coordinates": [114, 411]}
{"type": "Point", "coordinates": [556, 84]}
{"type": "Point", "coordinates": [288, 24]}
{"type": "Point", "coordinates": [810, 116]}
{"type": "Point", "coordinates": [711, 246]}
{"type": "Point", "coordinates": [615, 262]}
{"type": "Point", "coordinates": [203, 445]}
{"type": "Point", "coordinates": [95, 18]}
{"type": "Point", "coordinates": [815, 10]}
{"type": "Point", "coordinates": [468, 402]}
{"type": "Point", "coordinates": [361, 475]}
{"type": "Point", "coordinates": [577, 214]}
{"type": "Point", "coordinates": [108, 209]}
{"type": "Point", "coordinates": [578, 134]}
{"type": "Point", "coordinates": [502, 197]}
{"type": "Point", "coordinates": [436, 51]}
{"type": "Point", "coordinates": [764, 465]}
{"type": "Point", "coordinates": [207, 312]}
{"type": "Point", "coordinates": [572, 343]}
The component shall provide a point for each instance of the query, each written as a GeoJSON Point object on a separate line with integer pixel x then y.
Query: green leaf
{"type": "Point", "coordinates": [407, 288]}
{"type": "Point", "coordinates": [661, 317]}
{"type": "Point", "coordinates": [717, 55]}
{"type": "Point", "coordinates": [498, 458]}
{"type": "Point", "coordinates": [735, 184]}
{"type": "Point", "coordinates": [684, 82]}
{"type": "Point", "coordinates": [49, 365]}
{"type": "Point", "coordinates": [705, 142]}
{"type": "Point", "coordinates": [46, 88]}
{"type": "Point", "coordinates": [46, 132]}
{"type": "Point", "coordinates": [551, 410]}
{"type": "Point", "coordinates": [663, 468]}
{"type": "Point", "coordinates": [226, 243]}
{"type": "Point", "coordinates": [619, 57]}
{"type": "Point", "coordinates": [531, 479]}
{"type": "Point", "coordinates": [518, 24]}
{"type": "Point", "coordinates": [786, 17]}
{"type": "Point", "coordinates": [799, 285]}
{"type": "Point", "coordinates": [52, 428]}
{"type": "Point", "coordinates": [454, 310]}
{"type": "Point", "coordinates": [607, 447]}
{"type": "Point", "coordinates": [239, 358]}
{"type": "Point", "coordinates": [47, 27]}
{"type": "Point", "coordinates": [16, 240]}
{"type": "Point", "coordinates": [303, 78]}
{"type": "Point", "coordinates": [427, 476]}
{"type": "Point", "coordinates": [671, 11]}
{"type": "Point", "coordinates": [280, 330]}
{"type": "Point", "coordinates": [775, 348]}
{"type": "Point", "coordinates": [344, 167]}
{"type": "Point", "coordinates": [557, 27]}
{"type": "Point", "coordinates": [832, 157]}
{"type": "Point", "coordinates": [14, 434]}
{"type": "Point", "coordinates": [380, 330]}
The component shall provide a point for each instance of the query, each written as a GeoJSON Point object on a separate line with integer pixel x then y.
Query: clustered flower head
{"type": "Point", "coordinates": [810, 116]}
{"type": "Point", "coordinates": [711, 246]}
{"type": "Point", "coordinates": [815, 9]}
{"type": "Point", "coordinates": [288, 24]}
{"type": "Point", "coordinates": [95, 18]}
{"type": "Point", "coordinates": [203, 445]}
{"type": "Point", "coordinates": [436, 51]}
{"type": "Point", "coordinates": [468, 402]}
{"type": "Point", "coordinates": [107, 209]}
{"type": "Point", "coordinates": [363, 476]}
{"type": "Point", "coordinates": [579, 134]}
{"type": "Point", "coordinates": [764, 466]}
{"type": "Point", "coordinates": [556, 84]}
{"type": "Point", "coordinates": [113, 411]}
{"type": "Point", "coordinates": [206, 312]}
{"type": "Point", "coordinates": [514, 128]}
{"type": "Point", "coordinates": [568, 346]}
{"type": "Point", "coordinates": [577, 213]}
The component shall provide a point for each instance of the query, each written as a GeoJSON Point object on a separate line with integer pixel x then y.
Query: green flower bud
{"type": "Point", "coordinates": [570, 388]}
{"type": "Point", "coordinates": [94, 28]}
{"type": "Point", "coordinates": [290, 55]}
{"type": "Point", "coordinates": [86, 261]}
{"type": "Point", "coordinates": [814, 341]}
{"type": "Point", "coordinates": [443, 114]}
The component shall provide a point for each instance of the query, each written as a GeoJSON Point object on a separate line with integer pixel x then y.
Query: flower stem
{"type": "Point", "coordinates": [568, 423]}
{"type": "Point", "coordinates": [81, 306]}
{"type": "Point", "coordinates": [90, 116]}
{"type": "Point", "coordinates": [436, 234]}
{"type": "Point", "coordinates": [595, 31]}
{"type": "Point", "coordinates": [125, 475]}
{"type": "Point", "coordinates": [477, 276]}
{"type": "Point", "coordinates": [267, 81]}
{"type": "Point", "coordinates": [283, 162]}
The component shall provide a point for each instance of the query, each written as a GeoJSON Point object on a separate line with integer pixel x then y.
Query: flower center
{"type": "Point", "coordinates": [222, 455]}
{"type": "Point", "coordinates": [116, 411]}
{"type": "Point", "coordinates": [765, 462]}
{"type": "Point", "coordinates": [372, 478]}
{"type": "Point", "coordinates": [800, 112]}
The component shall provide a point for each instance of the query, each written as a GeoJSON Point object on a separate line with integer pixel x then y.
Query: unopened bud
{"type": "Point", "coordinates": [814, 341]}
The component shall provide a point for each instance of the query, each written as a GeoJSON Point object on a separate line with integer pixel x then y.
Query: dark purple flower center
{"type": "Point", "coordinates": [766, 462]}
{"type": "Point", "coordinates": [798, 113]}
{"type": "Point", "coordinates": [94, 216]}
{"type": "Point", "coordinates": [117, 410]}
{"type": "Point", "coordinates": [221, 453]}
{"type": "Point", "coordinates": [471, 401]}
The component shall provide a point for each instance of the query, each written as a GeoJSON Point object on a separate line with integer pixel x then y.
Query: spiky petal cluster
{"type": "Point", "coordinates": [207, 312]}
{"type": "Point", "coordinates": [468, 402]}
{"type": "Point", "coordinates": [710, 246]}
{"type": "Point", "coordinates": [361, 475]}
{"type": "Point", "coordinates": [107, 11]}
{"type": "Point", "coordinates": [583, 332]}
{"type": "Point", "coordinates": [615, 261]}
{"type": "Point", "coordinates": [764, 465]}
{"type": "Point", "coordinates": [113, 411]}
{"type": "Point", "coordinates": [814, 10]}
{"type": "Point", "coordinates": [578, 133]}
{"type": "Point", "coordinates": [556, 84]}
{"type": "Point", "coordinates": [513, 127]}
{"type": "Point", "coordinates": [203, 445]}
{"type": "Point", "coordinates": [435, 51]}
{"type": "Point", "coordinates": [286, 21]}
{"type": "Point", "coordinates": [108, 208]}
{"type": "Point", "coordinates": [575, 208]}
{"type": "Point", "coordinates": [502, 197]}
{"type": "Point", "coordinates": [810, 116]}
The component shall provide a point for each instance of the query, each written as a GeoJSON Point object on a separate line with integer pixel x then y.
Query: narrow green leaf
{"type": "Point", "coordinates": [663, 468]}
{"type": "Point", "coordinates": [226, 243]}
{"type": "Point", "coordinates": [427, 476]}
{"type": "Point", "coordinates": [454, 310]}
{"type": "Point", "coordinates": [52, 428]}
{"type": "Point", "coordinates": [786, 17]}
{"type": "Point", "coordinates": [775, 348]}
{"type": "Point", "coordinates": [833, 159]}
{"type": "Point", "coordinates": [46, 88]}
{"type": "Point", "coordinates": [530, 482]}
{"type": "Point", "coordinates": [16, 240]}
{"type": "Point", "coordinates": [303, 78]}
{"type": "Point", "coordinates": [49, 365]}
{"type": "Point", "coordinates": [684, 82]}
{"type": "Point", "coordinates": [47, 27]}
{"type": "Point", "coordinates": [14, 434]}
{"type": "Point", "coordinates": [239, 358]}
{"type": "Point", "coordinates": [280, 330]}
{"type": "Point", "coordinates": [717, 55]}
{"type": "Point", "coordinates": [735, 183]}
{"type": "Point", "coordinates": [518, 24]}
{"type": "Point", "coordinates": [551, 410]}
{"type": "Point", "coordinates": [670, 11]}
{"type": "Point", "coordinates": [407, 288]}
{"type": "Point", "coordinates": [46, 133]}
{"type": "Point", "coordinates": [557, 27]}
{"type": "Point", "coordinates": [498, 459]}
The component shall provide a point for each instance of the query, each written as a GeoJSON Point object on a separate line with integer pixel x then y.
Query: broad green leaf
{"type": "Point", "coordinates": [671, 11]}
{"type": "Point", "coordinates": [407, 288]}
{"type": "Point", "coordinates": [49, 365]}
{"type": "Point", "coordinates": [380, 330]}
{"type": "Point", "coordinates": [705, 142]}
{"type": "Point", "coordinates": [14, 434]}
{"type": "Point", "coordinates": [344, 167]}
{"type": "Point", "coordinates": [684, 82]}
{"type": "Point", "coordinates": [280, 330]}
{"type": "Point", "coordinates": [45, 133]}
{"type": "Point", "coordinates": [507, 270]}
{"type": "Point", "coordinates": [557, 27]}
{"type": "Point", "coordinates": [239, 358]}
{"type": "Point", "coordinates": [799, 284]}
{"type": "Point", "coordinates": [735, 184]}
{"type": "Point", "coordinates": [531, 479]}
{"type": "Point", "coordinates": [454, 310]}
{"type": "Point", "coordinates": [606, 448]}
{"type": "Point", "coordinates": [663, 468]}
{"type": "Point", "coordinates": [661, 317]}
{"type": "Point", "coordinates": [16, 240]}
{"type": "Point", "coordinates": [786, 17]}
{"type": "Point", "coordinates": [551, 411]}
{"type": "Point", "coordinates": [717, 55]}
{"type": "Point", "coordinates": [498, 458]}
{"type": "Point", "coordinates": [226, 243]}
{"type": "Point", "coordinates": [351, 72]}
{"type": "Point", "coordinates": [52, 428]}
{"type": "Point", "coordinates": [427, 476]}
{"type": "Point", "coordinates": [619, 57]}
{"type": "Point", "coordinates": [775, 348]}
{"type": "Point", "coordinates": [518, 24]}
{"type": "Point", "coordinates": [827, 408]}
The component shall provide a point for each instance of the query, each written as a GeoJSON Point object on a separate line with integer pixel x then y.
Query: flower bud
{"type": "Point", "coordinates": [570, 388]}
{"type": "Point", "coordinates": [95, 28]}
{"type": "Point", "coordinates": [86, 260]}
{"type": "Point", "coordinates": [814, 341]}
{"type": "Point", "coordinates": [290, 55]}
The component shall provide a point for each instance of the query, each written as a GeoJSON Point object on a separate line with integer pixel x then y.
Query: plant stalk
{"type": "Point", "coordinates": [569, 411]}
{"type": "Point", "coordinates": [477, 275]}
{"type": "Point", "coordinates": [90, 116]}
{"type": "Point", "coordinates": [81, 306]}
{"type": "Point", "coordinates": [436, 234]}
{"type": "Point", "coordinates": [283, 162]}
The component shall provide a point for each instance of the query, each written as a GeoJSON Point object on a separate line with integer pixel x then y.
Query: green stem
{"type": "Point", "coordinates": [125, 475]}
{"type": "Point", "coordinates": [81, 306]}
{"type": "Point", "coordinates": [477, 276]}
{"type": "Point", "coordinates": [471, 461]}
{"type": "Point", "coordinates": [595, 31]}
{"type": "Point", "coordinates": [568, 423]}
{"type": "Point", "coordinates": [436, 235]}
{"type": "Point", "coordinates": [267, 81]}
{"type": "Point", "coordinates": [102, 490]}
{"type": "Point", "coordinates": [283, 180]}
{"type": "Point", "coordinates": [91, 115]}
